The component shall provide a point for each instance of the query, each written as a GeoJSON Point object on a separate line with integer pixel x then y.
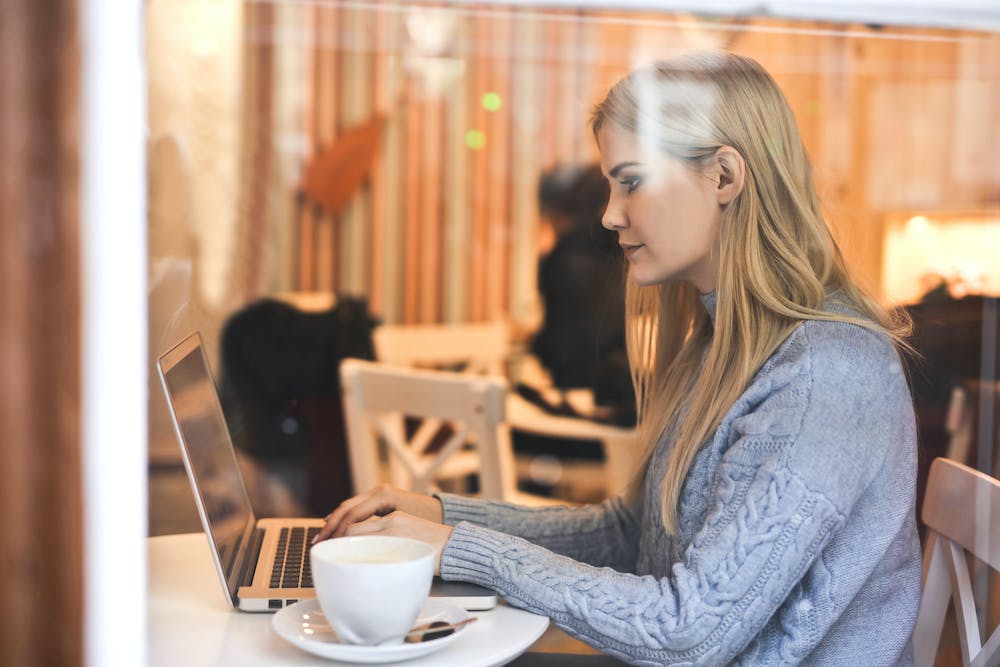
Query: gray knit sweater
{"type": "Point", "coordinates": [797, 541]}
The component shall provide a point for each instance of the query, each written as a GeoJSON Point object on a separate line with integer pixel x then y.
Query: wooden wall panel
{"type": "Point", "coordinates": [390, 168]}
{"type": "Point", "coordinates": [381, 83]}
{"type": "Point", "coordinates": [527, 94]}
{"type": "Point", "coordinates": [457, 204]}
{"type": "Point", "coordinates": [499, 167]}
{"type": "Point", "coordinates": [444, 230]}
{"type": "Point", "coordinates": [257, 132]}
{"type": "Point", "coordinates": [412, 185]}
{"type": "Point", "coordinates": [478, 261]}
{"type": "Point", "coordinates": [357, 107]}
{"type": "Point", "coordinates": [41, 495]}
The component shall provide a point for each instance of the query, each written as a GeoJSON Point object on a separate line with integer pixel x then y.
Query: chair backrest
{"type": "Point", "coordinates": [478, 347]}
{"type": "Point", "coordinates": [962, 512]}
{"type": "Point", "coordinates": [378, 397]}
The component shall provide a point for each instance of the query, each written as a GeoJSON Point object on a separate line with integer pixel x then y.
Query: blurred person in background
{"type": "Point", "coordinates": [581, 282]}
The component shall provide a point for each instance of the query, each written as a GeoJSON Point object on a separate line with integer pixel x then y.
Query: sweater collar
{"type": "Point", "coordinates": [708, 300]}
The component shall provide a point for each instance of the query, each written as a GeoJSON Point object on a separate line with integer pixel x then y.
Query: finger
{"type": "Point", "coordinates": [380, 500]}
{"type": "Point", "coordinates": [372, 526]}
{"type": "Point", "coordinates": [336, 517]}
{"type": "Point", "coordinates": [371, 507]}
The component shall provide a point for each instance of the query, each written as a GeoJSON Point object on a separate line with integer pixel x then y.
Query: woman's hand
{"type": "Point", "coordinates": [401, 524]}
{"type": "Point", "coordinates": [380, 501]}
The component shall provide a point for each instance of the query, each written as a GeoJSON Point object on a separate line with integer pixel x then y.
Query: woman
{"type": "Point", "coordinates": [772, 520]}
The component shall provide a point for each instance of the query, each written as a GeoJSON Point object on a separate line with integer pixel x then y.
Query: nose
{"type": "Point", "coordinates": [614, 217]}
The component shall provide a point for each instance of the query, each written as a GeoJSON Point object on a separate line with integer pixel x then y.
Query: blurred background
{"type": "Point", "coordinates": [293, 178]}
{"type": "Point", "coordinates": [308, 152]}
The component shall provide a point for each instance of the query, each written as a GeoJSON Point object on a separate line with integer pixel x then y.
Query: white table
{"type": "Point", "coordinates": [191, 624]}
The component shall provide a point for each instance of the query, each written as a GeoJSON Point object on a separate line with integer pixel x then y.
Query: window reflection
{"type": "Point", "coordinates": [393, 152]}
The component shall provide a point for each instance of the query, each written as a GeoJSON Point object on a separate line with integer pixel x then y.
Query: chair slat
{"type": "Point", "coordinates": [989, 654]}
{"type": "Point", "coordinates": [964, 600]}
{"type": "Point", "coordinates": [933, 604]}
{"type": "Point", "coordinates": [962, 510]}
{"type": "Point", "coordinates": [957, 501]}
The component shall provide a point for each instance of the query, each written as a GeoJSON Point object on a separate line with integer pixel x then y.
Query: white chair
{"type": "Point", "coordinates": [484, 348]}
{"type": "Point", "coordinates": [962, 512]}
{"type": "Point", "coordinates": [477, 347]}
{"type": "Point", "coordinates": [377, 399]}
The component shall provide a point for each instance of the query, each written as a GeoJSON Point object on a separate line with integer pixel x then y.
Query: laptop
{"type": "Point", "coordinates": [263, 564]}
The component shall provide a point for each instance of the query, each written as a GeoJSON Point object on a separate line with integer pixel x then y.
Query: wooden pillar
{"type": "Point", "coordinates": [41, 519]}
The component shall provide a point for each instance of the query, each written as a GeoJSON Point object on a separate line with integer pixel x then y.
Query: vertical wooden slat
{"type": "Point", "coordinates": [392, 150]}
{"type": "Point", "coordinates": [549, 72]}
{"type": "Point", "coordinates": [832, 155]}
{"type": "Point", "coordinates": [483, 30]}
{"type": "Point", "coordinates": [356, 59]}
{"type": "Point", "coordinates": [415, 181]}
{"type": "Point", "coordinates": [458, 218]}
{"type": "Point", "coordinates": [526, 93]}
{"type": "Point", "coordinates": [565, 87]}
{"type": "Point", "coordinates": [381, 84]}
{"type": "Point", "coordinates": [307, 246]}
{"type": "Point", "coordinates": [593, 85]}
{"type": "Point", "coordinates": [258, 120]}
{"type": "Point", "coordinates": [41, 621]}
{"type": "Point", "coordinates": [500, 169]}
{"type": "Point", "coordinates": [327, 126]}
{"type": "Point", "coordinates": [325, 251]}
{"type": "Point", "coordinates": [333, 123]}
{"type": "Point", "coordinates": [430, 213]}
{"type": "Point", "coordinates": [305, 225]}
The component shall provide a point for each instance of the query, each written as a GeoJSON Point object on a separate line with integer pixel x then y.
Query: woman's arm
{"type": "Point", "coordinates": [802, 459]}
{"type": "Point", "coordinates": [599, 535]}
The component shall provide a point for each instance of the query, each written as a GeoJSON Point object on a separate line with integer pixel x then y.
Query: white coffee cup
{"type": "Point", "coordinates": [370, 587]}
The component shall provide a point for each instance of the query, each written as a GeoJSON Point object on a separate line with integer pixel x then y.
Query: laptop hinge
{"type": "Point", "coordinates": [250, 559]}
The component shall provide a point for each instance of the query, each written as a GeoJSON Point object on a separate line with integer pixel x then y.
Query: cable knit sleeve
{"type": "Point", "coordinates": [600, 535]}
{"type": "Point", "coordinates": [789, 462]}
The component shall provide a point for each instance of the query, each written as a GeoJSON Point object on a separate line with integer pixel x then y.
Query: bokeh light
{"type": "Point", "coordinates": [492, 101]}
{"type": "Point", "coordinates": [475, 139]}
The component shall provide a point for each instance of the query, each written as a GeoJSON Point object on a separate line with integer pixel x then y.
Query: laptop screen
{"type": "Point", "coordinates": [208, 450]}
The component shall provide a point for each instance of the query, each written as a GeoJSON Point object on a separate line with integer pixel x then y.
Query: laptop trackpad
{"type": "Point", "coordinates": [463, 594]}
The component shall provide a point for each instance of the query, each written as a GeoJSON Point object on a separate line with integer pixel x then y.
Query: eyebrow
{"type": "Point", "coordinates": [618, 168]}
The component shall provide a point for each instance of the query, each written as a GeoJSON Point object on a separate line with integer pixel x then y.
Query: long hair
{"type": "Point", "coordinates": [778, 261]}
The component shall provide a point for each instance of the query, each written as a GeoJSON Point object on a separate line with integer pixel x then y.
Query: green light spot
{"type": "Point", "coordinates": [475, 139]}
{"type": "Point", "coordinates": [492, 101]}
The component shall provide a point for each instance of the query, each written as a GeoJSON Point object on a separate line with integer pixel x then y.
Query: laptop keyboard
{"type": "Point", "coordinates": [291, 561]}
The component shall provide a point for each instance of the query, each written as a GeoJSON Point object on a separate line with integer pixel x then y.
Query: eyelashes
{"type": "Point", "coordinates": [631, 183]}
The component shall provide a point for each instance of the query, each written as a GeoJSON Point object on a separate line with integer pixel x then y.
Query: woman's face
{"type": "Point", "coordinates": [666, 215]}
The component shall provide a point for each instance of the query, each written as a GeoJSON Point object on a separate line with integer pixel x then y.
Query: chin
{"type": "Point", "coordinates": [645, 279]}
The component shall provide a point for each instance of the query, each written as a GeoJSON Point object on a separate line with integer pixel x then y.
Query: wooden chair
{"type": "Point", "coordinates": [484, 348]}
{"type": "Point", "coordinates": [475, 347]}
{"type": "Point", "coordinates": [377, 398]}
{"type": "Point", "coordinates": [962, 512]}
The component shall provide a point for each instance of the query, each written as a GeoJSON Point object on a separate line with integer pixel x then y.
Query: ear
{"type": "Point", "coordinates": [729, 168]}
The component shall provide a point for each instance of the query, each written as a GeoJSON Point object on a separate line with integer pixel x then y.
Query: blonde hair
{"type": "Point", "coordinates": [778, 261]}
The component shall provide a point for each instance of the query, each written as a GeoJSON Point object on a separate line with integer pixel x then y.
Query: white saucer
{"type": "Point", "coordinates": [292, 624]}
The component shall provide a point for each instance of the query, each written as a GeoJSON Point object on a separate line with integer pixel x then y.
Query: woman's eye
{"type": "Point", "coordinates": [631, 183]}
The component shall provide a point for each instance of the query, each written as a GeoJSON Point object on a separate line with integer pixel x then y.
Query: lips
{"type": "Point", "coordinates": [629, 249]}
